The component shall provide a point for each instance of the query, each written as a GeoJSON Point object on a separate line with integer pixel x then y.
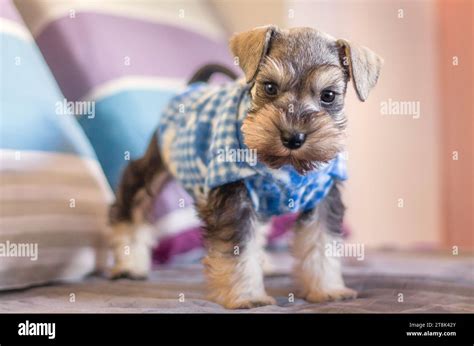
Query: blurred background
{"type": "Point", "coordinates": [405, 189]}
{"type": "Point", "coordinates": [411, 175]}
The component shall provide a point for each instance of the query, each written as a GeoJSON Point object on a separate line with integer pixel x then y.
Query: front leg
{"type": "Point", "coordinates": [233, 264]}
{"type": "Point", "coordinates": [319, 274]}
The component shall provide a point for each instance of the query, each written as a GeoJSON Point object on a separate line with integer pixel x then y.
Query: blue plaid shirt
{"type": "Point", "coordinates": [203, 122]}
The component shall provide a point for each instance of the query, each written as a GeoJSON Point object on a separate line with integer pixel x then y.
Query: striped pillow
{"type": "Point", "coordinates": [53, 194]}
{"type": "Point", "coordinates": [130, 59]}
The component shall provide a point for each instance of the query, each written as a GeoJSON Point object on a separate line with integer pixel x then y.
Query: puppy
{"type": "Point", "coordinates": [289, 111]}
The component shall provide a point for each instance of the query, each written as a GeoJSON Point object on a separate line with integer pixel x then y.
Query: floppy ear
{"type": "Point", "coordinates": [250, 47]}
{"type": "Point", "coordinates": [364, 67]}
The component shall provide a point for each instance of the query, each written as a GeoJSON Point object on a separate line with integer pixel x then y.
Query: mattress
{"type": "Point", "coordinates": [387, 281]}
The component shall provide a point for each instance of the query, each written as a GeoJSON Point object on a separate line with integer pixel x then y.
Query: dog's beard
{"type": "Point", "coordinates": [262, 132]}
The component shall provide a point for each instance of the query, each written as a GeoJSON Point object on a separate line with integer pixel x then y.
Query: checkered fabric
{"type": "Point", "coordinates": [202, 145]}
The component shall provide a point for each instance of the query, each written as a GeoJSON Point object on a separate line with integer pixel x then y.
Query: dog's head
{"type": "Point", "coordinates": [299, 78]}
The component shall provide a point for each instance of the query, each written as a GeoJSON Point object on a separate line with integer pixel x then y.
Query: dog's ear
{"type": "Point", "coordinates": [250, 47]}
{"type": "Point", "coordinates": [364, 67]}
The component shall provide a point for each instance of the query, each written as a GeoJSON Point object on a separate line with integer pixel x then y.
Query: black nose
{"type": "Point", "coordinates": [293, 140]}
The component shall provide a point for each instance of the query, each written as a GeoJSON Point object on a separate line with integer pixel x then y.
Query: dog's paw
{"type": "Point", "coordinates": [119, 272]}
{"type": "Point", "coordinates": [128, 267]}
{"type": "Point", "coordinates": [131, 247]}
{"type": "Point", "coordinates": [320, 296]}
{"type": "Point", "coordinates": [250, 303]}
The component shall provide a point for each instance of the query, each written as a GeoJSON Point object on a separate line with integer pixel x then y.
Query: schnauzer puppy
{"type": "Point", "coordinates": [289, 110]}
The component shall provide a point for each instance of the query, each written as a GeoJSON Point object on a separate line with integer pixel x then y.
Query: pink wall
{"type": "Point", "coordinates": [394, 188]}
{"type": "Point", "coordinates": [393, 157]}
{"type": "Point", "coordinates": [456, 95]}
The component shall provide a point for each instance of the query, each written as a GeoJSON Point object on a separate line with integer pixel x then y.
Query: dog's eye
{"type": "Point", "coordinates": [271, 88]}
{"type": "Point", "coordinates": [328, 96]}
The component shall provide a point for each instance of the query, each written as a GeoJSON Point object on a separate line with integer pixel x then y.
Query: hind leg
{"type": "Point", "coordinates": [131, 236]}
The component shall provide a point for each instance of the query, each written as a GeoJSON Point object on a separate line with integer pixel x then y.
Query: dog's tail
{"type": "Point", "coordinates": [205, 73]}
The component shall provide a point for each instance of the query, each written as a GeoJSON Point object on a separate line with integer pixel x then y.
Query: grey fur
{"type": "Point", "coordinates": [137, 177]}
{"type": "Point", "coordinates": [228, 215]}
{"type": "Point", "coordinates": [331, 211]}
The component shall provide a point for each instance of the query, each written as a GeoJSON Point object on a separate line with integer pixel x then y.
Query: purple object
{"type": "Point", "coordinates": [102, 47]}
{"type": "Point", "coordinates": [176, 245]}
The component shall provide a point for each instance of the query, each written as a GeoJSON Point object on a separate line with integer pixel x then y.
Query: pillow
{"type": "Point", "coordinates": [53, 194]}
{"type": "Point", "coordinates": [131, 59]}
